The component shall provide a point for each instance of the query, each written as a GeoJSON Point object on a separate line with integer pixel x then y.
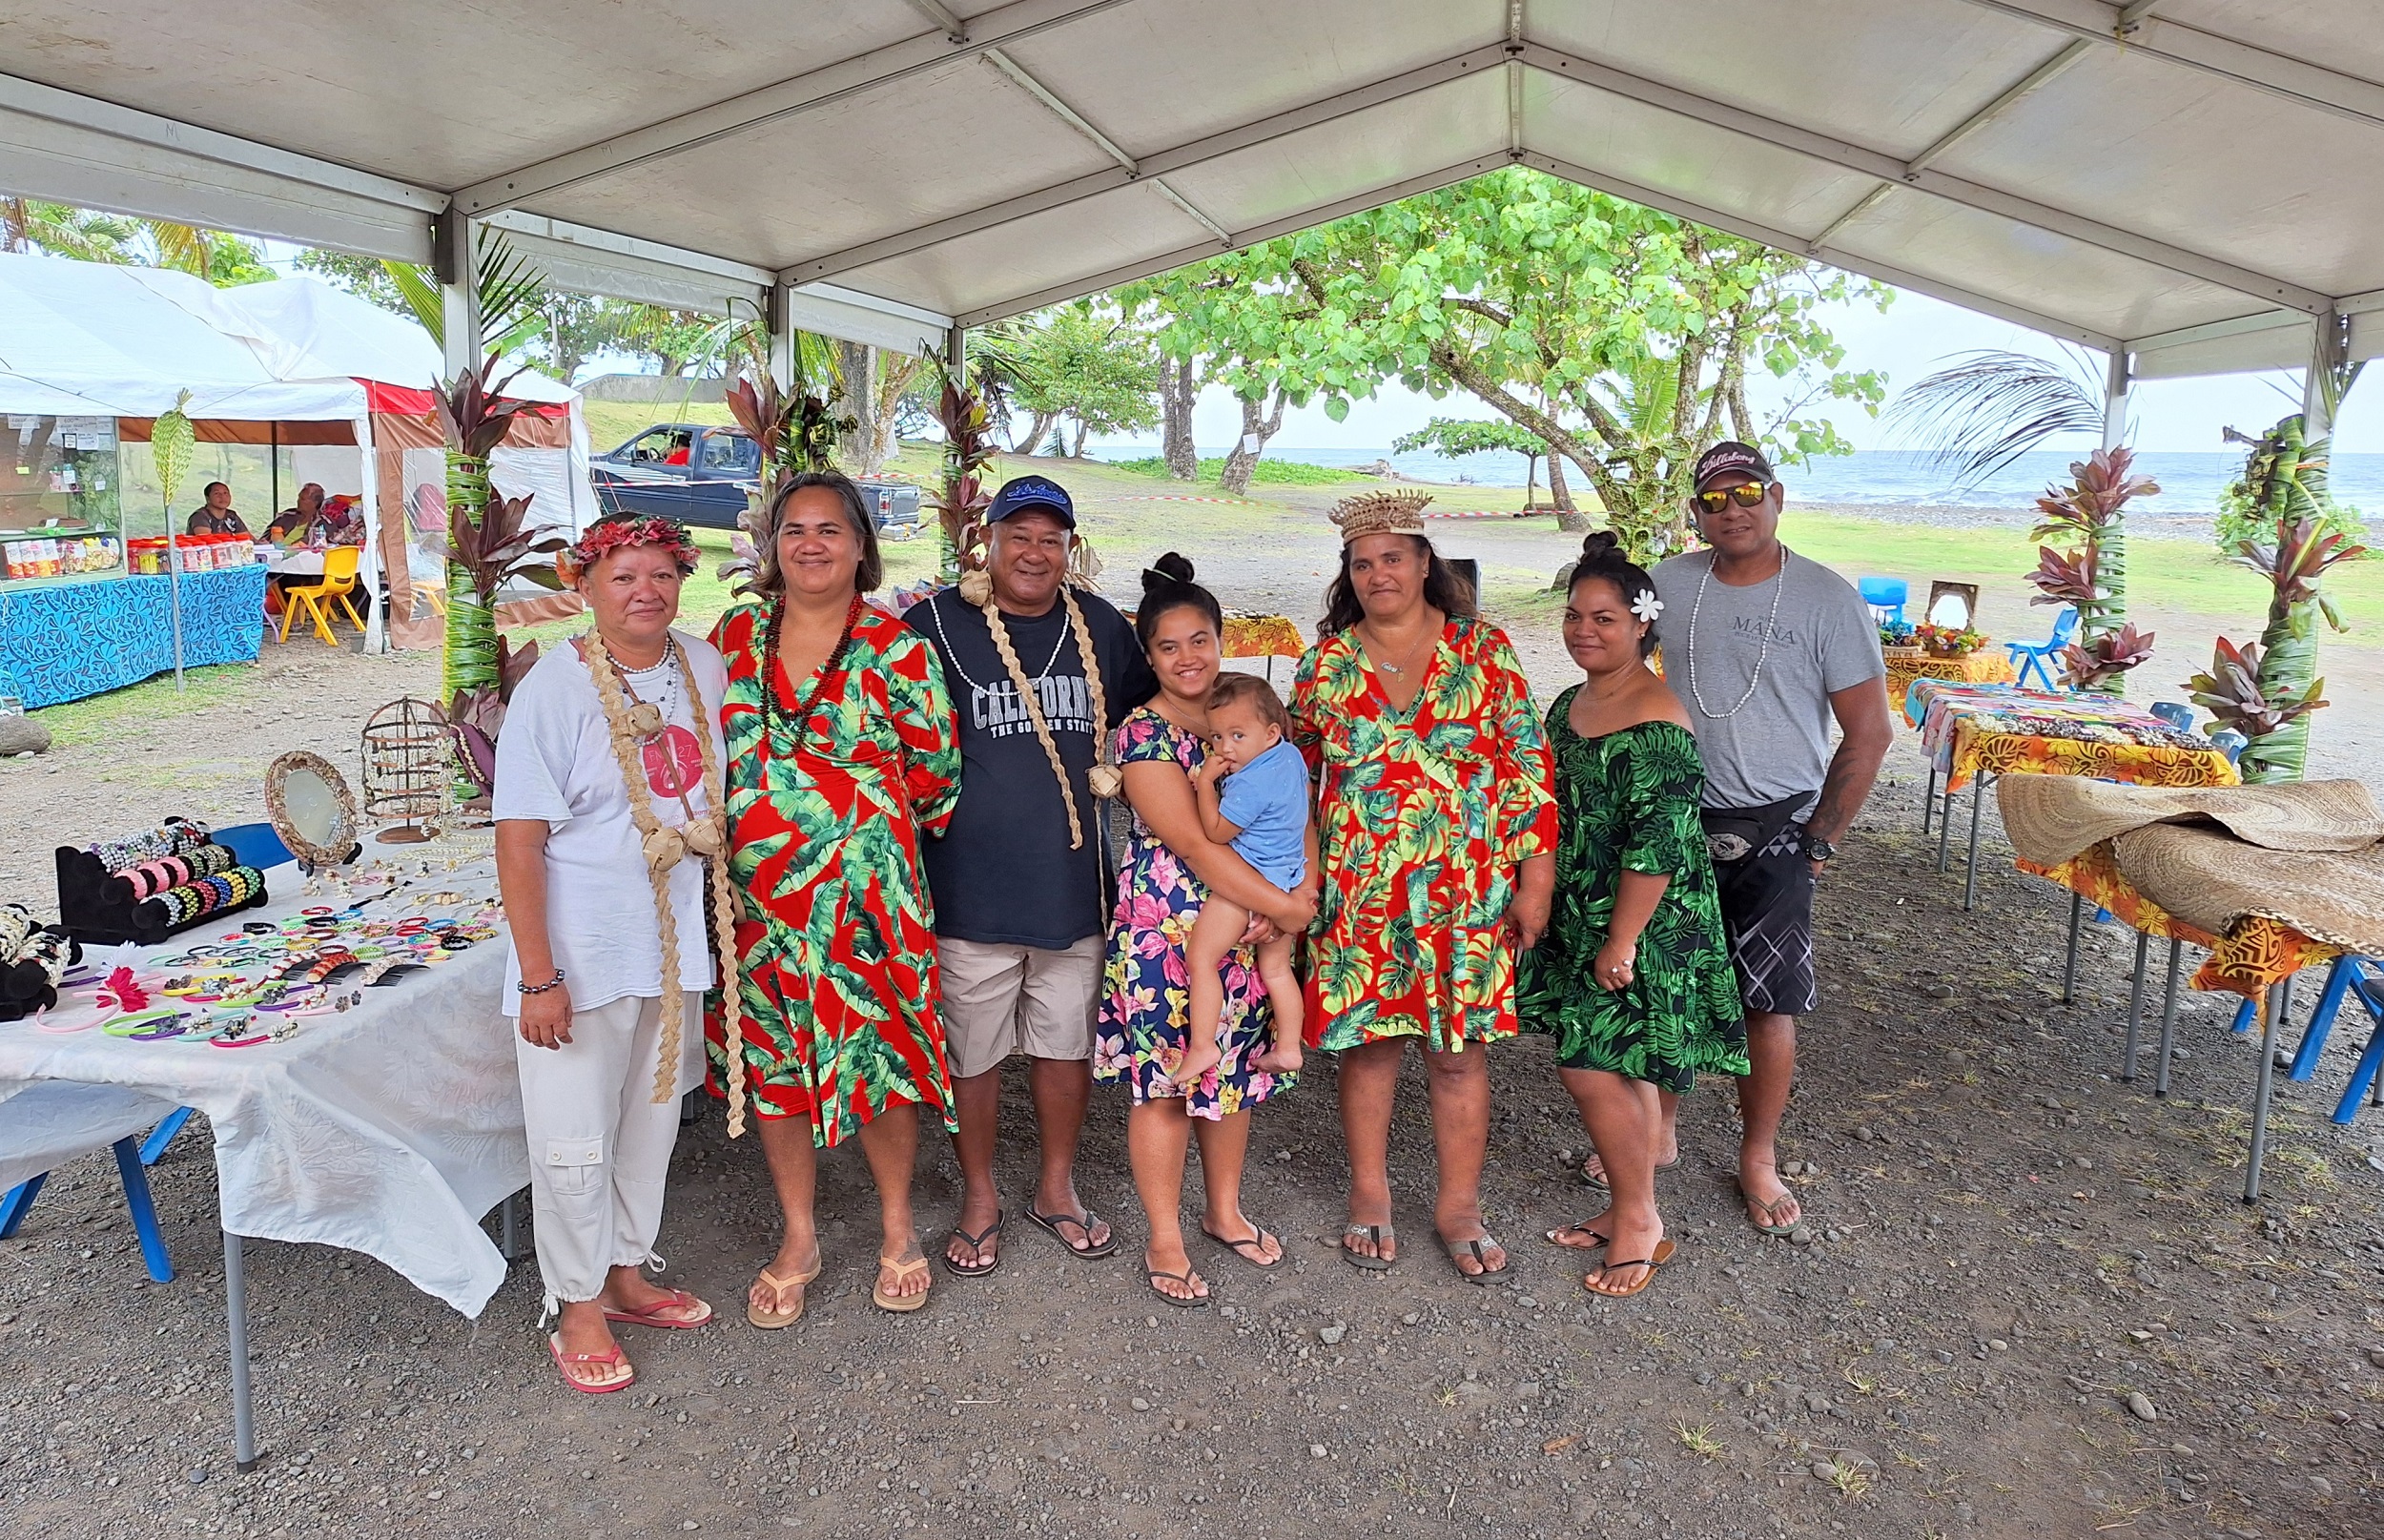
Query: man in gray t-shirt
{"type": "Point", "coordinates": [1766, 649]}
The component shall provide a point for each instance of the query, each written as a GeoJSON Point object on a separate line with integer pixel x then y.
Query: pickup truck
{"type": "Point", "coordinates": [700, 474]}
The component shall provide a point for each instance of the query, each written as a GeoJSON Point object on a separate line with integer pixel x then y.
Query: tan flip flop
{"type": "Point", "coordinates": [779, 1319]}
{"type": "Point", "coordinates": [899, 1303]}
{"type": "Point", "coordinates": [1648, 1265]}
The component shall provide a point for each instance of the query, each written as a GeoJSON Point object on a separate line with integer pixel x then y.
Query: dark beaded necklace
{"type": "Point", "coordinates": [772, 715]}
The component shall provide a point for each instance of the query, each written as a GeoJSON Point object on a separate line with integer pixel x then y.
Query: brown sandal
{"type": "Point", "coordinates": [1662, 1255]}
{"type": "Point", "coordinates": [898, 1304]}
{"type": "Point", "coordinates": [779, 1319]}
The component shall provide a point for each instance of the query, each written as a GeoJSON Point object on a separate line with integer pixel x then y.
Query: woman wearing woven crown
{"type": "Point", "coordinates": [606, 802]}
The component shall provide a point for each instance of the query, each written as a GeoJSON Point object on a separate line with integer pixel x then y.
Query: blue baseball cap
{"type": "Point", "coordinates": [1020, 493]}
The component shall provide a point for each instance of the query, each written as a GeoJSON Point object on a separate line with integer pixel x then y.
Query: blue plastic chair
{"type": "Point", "coordinates": [2036, 657]}
{"type": "Point", "coordinates": [2176, 714]}
{"type": "Point", "coordinates": [54, 1121]}
{"type": "Point", "coordinates": [2230, 743]}
{"type": "Point", "coordinates": [1886, 598]}
{"type": "Point", "coordinates": [256, 845]}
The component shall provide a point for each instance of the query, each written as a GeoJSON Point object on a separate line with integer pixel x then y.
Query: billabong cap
{"type": "Point", "coordinates": [1042, 493]}
{"type": "Point", "coordinates": [1738, 459]}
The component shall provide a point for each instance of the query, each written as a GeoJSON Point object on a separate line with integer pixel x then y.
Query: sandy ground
{"type": "Point", "coordinates": [2006, 1245]}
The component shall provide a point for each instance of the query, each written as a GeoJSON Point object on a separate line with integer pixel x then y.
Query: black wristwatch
{"type": "Point", "coordinates": [1813, 848]}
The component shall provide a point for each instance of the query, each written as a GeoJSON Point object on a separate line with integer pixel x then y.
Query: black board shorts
{"type": "Point", "coordinates": [1767, 908]}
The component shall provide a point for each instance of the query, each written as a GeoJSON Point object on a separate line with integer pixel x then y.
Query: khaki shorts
{"type": "Point", "coordinates": [998, 1000]}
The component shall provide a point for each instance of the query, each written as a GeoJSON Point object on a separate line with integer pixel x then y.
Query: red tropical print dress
{"type": "Point", "coordinates": [1424, 818]}
{"type": "Point", "coordinates": [836, 937]}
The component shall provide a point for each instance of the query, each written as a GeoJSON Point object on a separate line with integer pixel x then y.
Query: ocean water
{"type": "Point", "coordinates": [2190, 483]}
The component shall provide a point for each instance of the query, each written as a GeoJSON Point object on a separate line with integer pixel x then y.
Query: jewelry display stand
{"type": "Point", "coordinates": [409, 760]}
{"type": "Point", "coordinates": [98, 909]}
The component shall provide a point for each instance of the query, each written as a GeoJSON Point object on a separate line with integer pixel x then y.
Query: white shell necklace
{"type": "Point", "coordinates": [1763, 648]}
{"type": "Point", "coordinates": [952, 657]}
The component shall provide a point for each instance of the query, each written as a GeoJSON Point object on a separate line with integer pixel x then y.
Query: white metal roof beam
{"type": "Point", "coordinates": [1107, 145]}
{"type": "Point", "coordinates": [1181, 156]}
{"type": "Point", "coordinates": [1750, 230]}
{"type": "Point", "coordinates": [833, 82]}
{"type": "Point", "coordinates": [2212, 331]}
{"type": "Point", "coordinates": [29, 99]}
{"type": "Point", "coordinates": [1953, 189]}
{"type": "Point", "coordinates": [1095, 282]}
{"type": "Point", "coordinates": [2280, 74]}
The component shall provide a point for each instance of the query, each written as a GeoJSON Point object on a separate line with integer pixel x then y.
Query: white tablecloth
{"type": "Point", "coordinates": [390, 1128]}
{"type": "Point", "coordinates": [282, 562]}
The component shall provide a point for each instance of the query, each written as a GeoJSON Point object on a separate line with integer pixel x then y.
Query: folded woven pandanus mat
{"type": "Point", "coordinates": [2210, 878]}
{"type": "Point", "coordinates": [2050, 818]}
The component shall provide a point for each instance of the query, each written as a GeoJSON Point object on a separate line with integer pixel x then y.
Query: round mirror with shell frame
{"type": "Point", "coordinates": [311, 808]}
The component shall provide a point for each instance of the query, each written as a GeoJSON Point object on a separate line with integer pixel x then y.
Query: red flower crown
{"type": "Point", "coordinates": [621, 533]}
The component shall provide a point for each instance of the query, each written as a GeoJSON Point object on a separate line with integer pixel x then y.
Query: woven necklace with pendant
{"type": "Point", "coordinates": [772, 715]}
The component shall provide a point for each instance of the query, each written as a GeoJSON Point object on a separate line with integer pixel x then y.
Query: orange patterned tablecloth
{"type": "Point", "coordinates": [2253, 954]}
{"type": "Point", "coordinates": [1984, 667]}
{"type": "Point", "coordinates": [1263, 636]}
{"type": "Point", "coordinates": [1968, 730]}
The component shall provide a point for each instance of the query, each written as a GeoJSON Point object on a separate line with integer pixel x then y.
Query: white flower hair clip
{"type": "Point", "coordinates": [1647, 606]}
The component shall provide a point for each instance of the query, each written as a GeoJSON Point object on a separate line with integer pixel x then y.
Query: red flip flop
{"type": "Point", "coordinates": [563, 1362]}
{"type": "Point", "coordinates": [678, 1299]}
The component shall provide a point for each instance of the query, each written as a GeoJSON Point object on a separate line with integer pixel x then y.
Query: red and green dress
{"type": "Point", "coordinates": [1424, 816]}
{"type": "Point", "coordinates": [836, 937]}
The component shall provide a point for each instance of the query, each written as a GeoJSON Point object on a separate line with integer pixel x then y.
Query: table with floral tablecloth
{"type": "Point", "coordinates": [1993, 730]}
{"type": "Point", "coordinates": [1263, 636]}
{"type": "Point", "coordinates": [1988, 666]}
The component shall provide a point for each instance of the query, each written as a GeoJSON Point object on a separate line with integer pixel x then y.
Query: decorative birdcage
{"type": "Point", "coordinates": [409, 762]}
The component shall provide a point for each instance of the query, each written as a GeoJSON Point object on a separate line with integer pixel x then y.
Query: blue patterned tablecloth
{"type": "Point", "coordinates": [65, 639]}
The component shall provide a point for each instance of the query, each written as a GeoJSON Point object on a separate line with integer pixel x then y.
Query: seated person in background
{"type": "Point", "coordinates": [342, 521]}
{"type": "Point", "coordinates": [216, 516]}
{"type": "Point", "coordinates": [681, 445]}
{"type": "Point", "coordinates": [296, 526]}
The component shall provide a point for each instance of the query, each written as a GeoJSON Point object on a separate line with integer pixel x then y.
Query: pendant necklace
{"type": "Point", "coordinates": [1762, 649]}
{"type": "Point", "coordinates": [1405, 663]}
{"type": "Point", "coordinates": [936, 612]}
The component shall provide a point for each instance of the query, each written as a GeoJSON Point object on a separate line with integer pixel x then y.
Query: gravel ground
{"type": "Point", "coordinates": [2007, 1249]}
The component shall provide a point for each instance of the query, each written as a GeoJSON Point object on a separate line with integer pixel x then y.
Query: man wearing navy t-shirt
{"type": "Point", "coordinates": [1021, 910]}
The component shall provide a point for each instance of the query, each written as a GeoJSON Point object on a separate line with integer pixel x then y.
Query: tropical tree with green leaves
{"type": "Point", "coordinates": [1543, 300]}
{"type": "Point", "coordinates": [1454, 437]}
{"type": "Point", "coordinates": [1083, 364]}
{"type": "Point", "coordinates": [93, 236]}
{"type": "Point", "coordinates": [2268, 691]}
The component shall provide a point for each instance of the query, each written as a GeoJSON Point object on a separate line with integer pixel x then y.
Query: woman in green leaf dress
{"type": "Point", "coordinates": [1633, 976]}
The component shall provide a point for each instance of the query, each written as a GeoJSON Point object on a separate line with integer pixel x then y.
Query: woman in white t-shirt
{"type": "Point", "coordinates": [607, 785]}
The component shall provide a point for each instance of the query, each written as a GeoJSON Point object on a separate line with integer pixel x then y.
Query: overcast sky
{"type": "Point", "coordinates": [1913, 337]}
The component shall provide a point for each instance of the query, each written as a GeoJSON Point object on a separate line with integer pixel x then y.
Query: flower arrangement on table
{"type": "Point", "coordinates": [1950, 640]}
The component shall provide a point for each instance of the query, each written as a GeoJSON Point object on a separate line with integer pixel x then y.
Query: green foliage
{"type": "Point", "coordinates": [1081, 362]}
{"type": "Point", "coordinates": [1281, 472]}
{"type": "Point", "coordinates": [2091, 510]}
{"type": "Point", "coordinates": [1558, 306]}
{"type": "Point", "coordinates": [1457, 436]}
{"type": "Point", "coordinates": [88, 236]}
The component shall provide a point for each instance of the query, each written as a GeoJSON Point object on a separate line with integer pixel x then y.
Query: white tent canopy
{"type": "Point", "coordinates": [2189, 183]}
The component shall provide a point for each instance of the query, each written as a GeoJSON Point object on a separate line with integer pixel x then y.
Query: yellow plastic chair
{"type": "Point", "coordinates": [435, 594]}
{"type": "Point", "coordinates": [339, 580]}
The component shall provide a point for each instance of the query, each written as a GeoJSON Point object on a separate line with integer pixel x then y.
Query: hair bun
{"type": "Point", "coordinates": [1600, 546]}
{"type": "Point", "coordinates": [1168, 571]}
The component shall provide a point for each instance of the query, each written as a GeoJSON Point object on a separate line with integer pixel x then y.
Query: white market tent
{"type": "Point", "coordinates": [2191, 186]}
{"type": "Point", "coordinates": [90, 340]}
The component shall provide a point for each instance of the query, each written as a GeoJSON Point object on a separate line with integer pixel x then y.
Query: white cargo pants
{"type": "Point", "coordinates": [599, 1143]}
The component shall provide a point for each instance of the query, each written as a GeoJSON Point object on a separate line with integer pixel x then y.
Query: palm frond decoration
{"type": "Point", "coordinates": [969, 448]}
{"type": "Point", "coordinates": [2234, 696]}
{"type": "Point", "coordinates": [508, 287]}
{"type": "Point", "coordinates": [1990, 408]}
{"type": "Point", "coordinates": [2093, 664]}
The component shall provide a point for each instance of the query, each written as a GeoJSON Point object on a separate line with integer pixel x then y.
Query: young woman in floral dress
{"type": "Point", "coordinates": [842, 757]}
{"type": "Point", "coordinates": [1170, 868]}
{"type": "Point", "coordinates": [1439, 833]}
{"type": "Point", "coordinates": [1634, 977]}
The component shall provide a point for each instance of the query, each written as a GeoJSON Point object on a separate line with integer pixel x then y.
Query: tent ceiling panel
{"type": "Point", "coordinates": [1207, 75]}
{"type": "Point", "coordinates": [2191, 159]}
{"type": "Point", "coordinates": [2119, 295]}
{"type": "Point", "coordinates": [439, 91]}
{"type": "Point", "coordinates": [1111, 231]}
{"type": "Point", "coordinates": [832, 182]}
{"type": "Point", "coordinates": [2339, 35]}
{"type": "Point", "coordinates": [1873, 71]}
{"type": "Point", "coordinates": [1333, 160]}
{"type": "Point", "coordinates": [1707, 165]}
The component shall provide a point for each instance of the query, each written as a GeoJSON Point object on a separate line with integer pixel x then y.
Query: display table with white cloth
{"type": "Point", "coordinates": [390, 1128]}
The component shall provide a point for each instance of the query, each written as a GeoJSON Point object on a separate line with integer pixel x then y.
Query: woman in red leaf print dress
{"type": "Point", "coordinates": [842, 757]}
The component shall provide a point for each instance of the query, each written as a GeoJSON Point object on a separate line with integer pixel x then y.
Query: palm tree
{"type": "Point", "coordinates": [1991, 407]}
{"type": "Point", "coordinates": [86, 235]}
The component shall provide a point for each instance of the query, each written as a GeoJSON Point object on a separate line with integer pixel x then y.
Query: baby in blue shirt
{"type": "Point", "coordinates": [1262, 810]}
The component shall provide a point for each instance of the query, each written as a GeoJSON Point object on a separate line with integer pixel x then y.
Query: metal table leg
{"type": "Point", "coordinates": [2069, 969]}
{"type": "Point", "coordinates": [2135, 1007]}
{"type": "Point", "coordinates": [1945, 825]}
{"type": "Point", "coordinates": [235, 1322]}
{"type": "Point", "coordinates": [1929, 804]}
{"type": "Point", "coordinates": [2169, 1018]}
{"type": "Point", "coordinates": [1970, 874]}
{"type": "Point", "coordinates": [2260, 1092]}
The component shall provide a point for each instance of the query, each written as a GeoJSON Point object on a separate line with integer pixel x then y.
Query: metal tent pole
{"type": "Point", "coordinates": [235, 1323]}
{"type": "Point", "coordinates": [173, 594]}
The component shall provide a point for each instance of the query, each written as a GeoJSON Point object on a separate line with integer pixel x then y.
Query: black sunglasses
{"type": "Point", "coordinates": [1746, 494]}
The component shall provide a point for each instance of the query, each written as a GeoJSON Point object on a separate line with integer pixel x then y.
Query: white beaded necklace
{"type": "Point", "coordinates": [936, 611]}
{"type": "Point", "coordinates": [1763, 648]}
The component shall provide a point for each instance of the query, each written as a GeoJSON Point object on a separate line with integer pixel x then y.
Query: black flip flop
{"type": "Point", "coordinates": [977, 1243]}
{"type": "Point", "coordinates": [1084, 1223]}
{"type": "Point", "coordinates": [1487, 1278]}
{"type": "Point", "coordinates": [1194, 1301]}
{"type": "Point", "coordinates": [1248, 1249]}
{"type": "Point", "coordinates": [1376, 1234]}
